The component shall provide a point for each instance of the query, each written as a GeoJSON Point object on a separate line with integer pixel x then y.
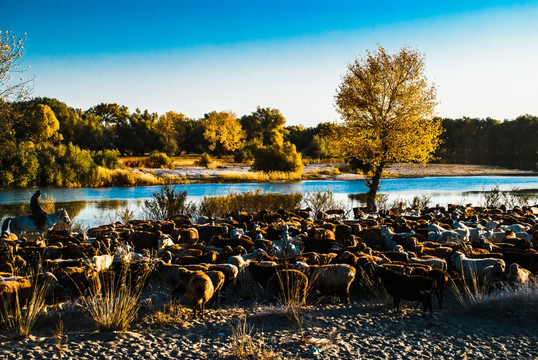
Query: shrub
{"type": "Point", "coordinates": [279, 158]}
{"type": "Point", "coordinates": [64, 165]}
{"type": "Point", "coordinates": [167, 203]}
{"type": "Point", "coordinates": [107, 158]}
{"type": "Point", "coordinates": [319, 148]}
{"type": "Point", "coordinates": [243, 155]}
{"type": "Point", "coordinates": [159, 160]}
{"type": "Point", "coordinates": [420, 202]}
{"type": "Point", "coordinates": [204, 160]}
{"type": "Point", "coordinates": [321, 201]}
{"type": "Point", "coordinates": [251, 202]}
{"type": "Point", "coordinates": [18, 166]}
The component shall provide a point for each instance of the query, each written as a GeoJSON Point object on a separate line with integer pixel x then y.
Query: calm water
{"type": "Point", "coordinates": [98, 206]}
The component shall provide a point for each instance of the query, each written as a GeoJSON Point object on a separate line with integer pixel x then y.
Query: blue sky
{"type": "Point", "coordinates": [198, 56]}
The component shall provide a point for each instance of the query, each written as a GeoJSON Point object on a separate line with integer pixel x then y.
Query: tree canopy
{"type": "Point", "coordinates": [387, 109]}
{"type": "Point", "coordinates": [223, 132]}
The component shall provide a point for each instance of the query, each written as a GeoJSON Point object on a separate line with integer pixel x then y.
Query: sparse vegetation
{"type": "Point", "coordinates": [245, 346]}
{"type": "Point", "coordinates": [321, 201]}
{"type": "Point", "coordinates": [251, 202]}
{"type": "Point", "coordinates": [204, 160]}
{"type": "Point", "coordinates": [168, 202]}
{"type": "Point", "coordinates": [17, 317]}
{"type": "Point", "coordinates": [116, 306]}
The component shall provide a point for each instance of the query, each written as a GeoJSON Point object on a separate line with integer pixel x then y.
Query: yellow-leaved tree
{"type": "Point", "coordinates": [387, 109]}
{"type": "Point", "coordinates": [223, 132]}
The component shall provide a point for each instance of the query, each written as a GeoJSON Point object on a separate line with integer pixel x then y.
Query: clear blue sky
{"type": "Point", "coordinates": [198, 56]}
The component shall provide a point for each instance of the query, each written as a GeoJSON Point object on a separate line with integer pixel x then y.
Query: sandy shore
{"type": "Point", "coordinates": [326, 171]}
{"type": "Point", "coordinates": [331, 331]}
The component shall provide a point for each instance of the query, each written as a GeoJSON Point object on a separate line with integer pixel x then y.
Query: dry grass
{"type": "Point", "coordinates": [261, 176]}
{"type": "Point", "coordinates": [171, 316]}
{"type": "Point", "coordinates": [119, 177]}
{"type": "Point", "coordinates": [17, 318]}
{"type": "Point", "coordinates": [60, 337]}
{"type": "Point", "coordinates": [475, 296]}
{"type": "Point", "coordinates": [116, 306]}
{"type": "Point", "coordinates": [245, 346]}
{"type": "Point", "coordinates": [252, 202]}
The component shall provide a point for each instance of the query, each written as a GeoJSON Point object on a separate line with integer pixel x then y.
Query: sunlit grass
{"type": "Point", "coordinates": [261, 176]}
{"type": "Point", "coordinates": [245, 345]}
{"type": "Point", "coordinates": [121, 177]}
{"type": "Point", "coordinates": [116, 305]}
{"type": "Point", "coordinates": [251, 202]}
{"type": "Point", "coordinates": [17, 318]}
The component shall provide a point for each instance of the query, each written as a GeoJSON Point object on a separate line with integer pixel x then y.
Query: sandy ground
{"type": "Point", "coordinates": [324, 170]}
{"type": "Point", "coordinates": [331, 331]}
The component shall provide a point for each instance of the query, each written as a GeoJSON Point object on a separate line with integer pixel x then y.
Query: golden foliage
{"type": "Point", "coordinates": [223, 132]}
{"type": "Point", "coordinates": [387, 108]}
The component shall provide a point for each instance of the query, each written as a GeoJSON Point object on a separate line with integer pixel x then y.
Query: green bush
{"type": "Point", "coordinates": [243, 155]}
{"type": "Point", "coordinates": [319, 148]}
{"type": "Point", "coordinates": [107, 158]}
{"type": "Point", "coordinates": [159, 160]}
{"type": "Point", "coordinates": [65, 165]}
{"type": "Point", "coordinates": [278, 158]}
{"type": "Point", "coordinates": [18, 166]}
{"type": "Point", "coordinates": [204, 160]}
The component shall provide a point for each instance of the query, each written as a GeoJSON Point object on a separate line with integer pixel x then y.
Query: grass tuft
{"type": "Point", "coordinates": [18, 318]}
{"type": "Point", "coordinates": [116, 306]}
{"type": "Point", "coordinates": [244, 346]}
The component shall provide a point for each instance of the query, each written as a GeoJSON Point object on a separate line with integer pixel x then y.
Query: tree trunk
{"type": "Point", "coordinates": [373, 184]}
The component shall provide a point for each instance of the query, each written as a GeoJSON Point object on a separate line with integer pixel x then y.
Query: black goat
{"type": "Point", "coordinates": [408, 287]}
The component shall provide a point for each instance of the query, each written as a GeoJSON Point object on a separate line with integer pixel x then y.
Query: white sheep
{"type": "Point", "coordinates": [388, 234]}
{"type": "Point", "coordinates": [470, 268]}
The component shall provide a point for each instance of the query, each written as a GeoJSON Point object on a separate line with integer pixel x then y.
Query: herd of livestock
{"type": "Point", "coordinates": [411, 253]}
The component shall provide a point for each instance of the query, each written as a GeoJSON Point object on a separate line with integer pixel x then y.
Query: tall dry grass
{"type": "Point", "coordinates": [120, 177]}
{"type": "Point", "coordinates": [17, 318]}
{"type": "Point", "coordinates": [116, 305]}
{"type": "Point", "coordinates": [252, 202]}
{"type": "Point", "coordinates": [261, 176]}
{"type": "Point", "coordinates": [474, 295]}
{"type": "Point", "coordinates": [245, 346]}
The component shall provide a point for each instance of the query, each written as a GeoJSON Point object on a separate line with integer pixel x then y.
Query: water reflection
{"type": "Point", "coordinates": [92, 207]}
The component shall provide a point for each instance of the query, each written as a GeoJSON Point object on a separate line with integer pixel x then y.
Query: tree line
{"type": "Point", "coordinates": [47, 142]}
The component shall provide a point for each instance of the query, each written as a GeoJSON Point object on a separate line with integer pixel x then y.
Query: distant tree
{"type": "Point", "coordinates": [387, 109]}
{"type": "Point", "coordinates": [171, 128]}
{"type": "Point", "coordinates": [194, 141]}
{"type": "Point", "coordinates": [278, 158]}
{"type": "Point", "coordinates": [319, 148]}
{"type": "Point", "coordinates": [36, 123]}
{"type": "Point", "coordinates": [265, 126]}
{"type": "Point", "coordinates": [68, 117]}
{"type": "Point", "coordinates": [223, 132]}
{"type": "Point", "coordinates": [300, 136]}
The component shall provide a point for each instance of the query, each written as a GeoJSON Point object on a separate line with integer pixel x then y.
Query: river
{"type": "Point", "coordinates": [95, 206]}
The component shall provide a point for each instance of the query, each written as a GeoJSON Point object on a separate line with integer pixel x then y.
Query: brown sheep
{"type": "Point", "coordinates": [289, 286]}
{"type": "Point", "coordinates": [329, 278]}
{"type": "Point", "coordinates": [80, 280]}
{"type": "Point", "coordinates": [218, 279]}
{"type": "Point", "coordinates": [199, 289]}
